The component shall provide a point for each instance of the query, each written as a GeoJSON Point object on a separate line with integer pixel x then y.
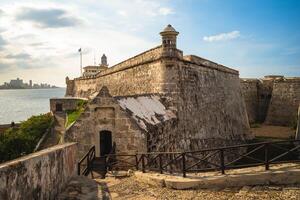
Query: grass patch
{"type": "Point", "coordinates": [16, 142]}
{"type": "Point", "coordinates": [73, 115]}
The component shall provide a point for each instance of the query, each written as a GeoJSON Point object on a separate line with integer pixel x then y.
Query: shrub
{"type": "Point", "coordinates": [16, 142]}
{"type": "Point", "coordinates": [72, 115]}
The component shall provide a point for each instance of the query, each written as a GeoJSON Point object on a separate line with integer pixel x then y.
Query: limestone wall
{"type": "Point", "coordinates": [284, 102]}
{"type": "Point", "coordinates": [140, 74]}
{"type": "Point", "coordinates": [250, 94]}
{"type": "Point", "coordinates": [205, 96]}
{"type": "Point", "coordinates": [210, 110]}
{"type": "Point", "coordinates": [67, 103]}
{"type": "Point", "coordinates": [104, 114]}
{"type": "Point", "coordinates": [41, 175]}
{"type": "Point", "coordinates": [298, 125]}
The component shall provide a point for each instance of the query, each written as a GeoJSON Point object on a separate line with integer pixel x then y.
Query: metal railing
{"type": "Point", "coordinates": [213, 159]}
{"type": "Point", "coordinates": [84, 166]}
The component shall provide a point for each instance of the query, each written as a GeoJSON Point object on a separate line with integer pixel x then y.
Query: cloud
{"type": "Point", "coordinates": [1, 12]}
{"type": "Point", "coordinates": [165, 11]}
{"type": "Point", "coordinates": [2, 42]}
{"type": "Point", "coordinates": [48, 18]}
{"type": "Point", "coordinates": [222, 36]}
{"type": "Point", "coordinates": [18, 56]}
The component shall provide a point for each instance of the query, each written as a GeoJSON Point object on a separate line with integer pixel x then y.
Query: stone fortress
{"type": "Point", "coordinates": [90, 71]}
{"type": "Point", "coordinates": [162, 100]}
{"type": "Point", "coordinates": [272, 100]}
{"type": "Point", "coordinates": [159, 100]}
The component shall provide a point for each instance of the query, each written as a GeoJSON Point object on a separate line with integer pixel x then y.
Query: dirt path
{"type": "Point", "coordinates": [282, 132]}
{"type": "Point", "coordinates": [129, 188]}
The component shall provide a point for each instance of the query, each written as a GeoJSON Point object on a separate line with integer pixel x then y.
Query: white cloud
{"type": "Point", "coordinates": [222, 36]}
{"type": "Point", "coordinates": [110, 27]}
{"type": "Point", "coordinates": [165, 11]}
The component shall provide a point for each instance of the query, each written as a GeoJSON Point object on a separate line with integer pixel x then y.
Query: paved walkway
{"type": "Point", "coordinates": [280, 174]}
{"type": "Point", "coordinates": [120, 186]}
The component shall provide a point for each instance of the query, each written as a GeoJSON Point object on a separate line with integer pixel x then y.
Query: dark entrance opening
{"type": "Point", "coordinates": [105, 142]}
{"type": "Point", "coordinates": [58, 107]}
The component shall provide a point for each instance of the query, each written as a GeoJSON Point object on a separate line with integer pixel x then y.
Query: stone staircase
{"type": "Point", "coordinates": [99, 167]}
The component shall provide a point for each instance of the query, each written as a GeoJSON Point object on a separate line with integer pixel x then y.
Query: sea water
{"type": "Point", "coordinates": [18, 105]}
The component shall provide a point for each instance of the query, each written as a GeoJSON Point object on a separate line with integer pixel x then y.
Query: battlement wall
{"type": "Point", "coordinates": [209, 107]}
{"type": "Point", "coordinates": [272, 100]}
{"type": "Point", "coordinates": [209, 64]}
{"type": "Point", "coordinates": [284, 102]}
{"type": "Point", "coordinates": [40, 175]}
{"type": "Point", "coordinates": [249, 89]}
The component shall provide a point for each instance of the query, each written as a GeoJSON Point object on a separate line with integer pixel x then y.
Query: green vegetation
{"type": "Point", "coordinates": [16, 142]}
{"type": "Point", "coordinates": [72, 115]}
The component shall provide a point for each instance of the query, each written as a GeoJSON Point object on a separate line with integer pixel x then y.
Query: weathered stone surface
{"type": "Point", "coordinates": [285, 174]}
{"type": "Point", "coordinates": [204, 96]}
{"type": "Point", "coordinates": [298, 125]}
{"type": "Point", "coordinates": [67, 103]}
{"type": "Point", "coordinates": [40, 175]}
{"type": "Point", "coordinates": [80, 188]}
{"type": "Point", "coordinates": [285, 101]}
{"type": "Point", "coordinates": [272, 100]}
{"type": "Point", "coordinates": [104, 113]}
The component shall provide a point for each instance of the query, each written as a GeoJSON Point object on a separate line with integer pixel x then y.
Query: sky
{"type": "Point", "coordinates": [39, 40]}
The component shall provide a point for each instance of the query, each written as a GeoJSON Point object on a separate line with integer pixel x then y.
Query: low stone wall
{"type": "Point", "coordinates": [41, 175]}
{"type": "Point", "coordinates": [284, 102]}
{"type": "Point", "coordinates": [298, 125]}
{"type": "Point", "coordinates": [67, 103]}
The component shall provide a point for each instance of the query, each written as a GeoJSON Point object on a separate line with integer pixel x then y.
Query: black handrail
{"type": "Point", "coordinates": [220, 159]}
{"type": "Point", "coordinates": [89, 157]}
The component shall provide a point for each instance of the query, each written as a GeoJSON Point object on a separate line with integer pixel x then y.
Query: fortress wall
{"type": "Point", "coordinates": [284, 102]}
{"type": "Point", "coordinates": [137, 75]}
{"type": "Point", "coordinates": [210, 110]}
{"type": "Point", "coordinates": [41, 175]}
{"type": "Point", "coordinates": [103, 113]}
{"type": "Point", "coordinates": [250, 94]}
{"type": "Point", "coordinates": [211, 106]}
{"type": "Point", "coordinates": [145, 78]}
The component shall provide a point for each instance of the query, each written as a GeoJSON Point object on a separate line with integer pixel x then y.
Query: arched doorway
{"type": "Point", "coordinates": [105, 142]}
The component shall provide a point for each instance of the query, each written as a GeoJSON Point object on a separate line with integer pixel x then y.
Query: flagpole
{"type": "Point", "coordinates": [80, 62]}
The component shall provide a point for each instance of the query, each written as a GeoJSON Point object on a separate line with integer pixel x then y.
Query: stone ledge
{"type": "Point", "coordinates": [279, 176]}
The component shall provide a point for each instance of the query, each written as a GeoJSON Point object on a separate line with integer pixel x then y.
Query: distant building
{"type": "Point", "coordinates": [30, 83]}
{"type": "Point", "coordinates": [93, 70]}
{"type": "Point", "coordinates": [17, 83]}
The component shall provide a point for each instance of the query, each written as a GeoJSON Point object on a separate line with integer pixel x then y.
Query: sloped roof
{"type": "Point", "coordinates": [146, 110]}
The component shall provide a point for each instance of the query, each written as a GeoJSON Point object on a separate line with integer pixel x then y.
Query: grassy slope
{"type": "Point", "coordinates": [73, 115]}
{"type": "Point", "coordinates": [16, 142]}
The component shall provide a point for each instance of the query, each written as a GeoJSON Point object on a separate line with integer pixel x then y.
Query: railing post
{"type": "Point", "coordinates": [267, 156]}
{"type": "Point", "coordinates": [183, 165]}
{"type": "Point", "coordinates": [136, 162]}
{"type": "Point", "coordinates": [222, 161]}
{"type": "Point", "coordinates": [160, 163]}
{"type": "Point", "coordinates": [78, 169]}
{"type": "Point", "coordinates": [143, 163]}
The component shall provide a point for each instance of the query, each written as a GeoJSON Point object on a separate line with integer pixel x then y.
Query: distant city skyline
{"type": "Point", "coordinates": [20, 84]}
{"type": "Point", "coordinates": [42, 39]}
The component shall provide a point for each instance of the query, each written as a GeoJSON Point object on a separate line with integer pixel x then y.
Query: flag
{"type": "Point", "coordinates": [79, 50]}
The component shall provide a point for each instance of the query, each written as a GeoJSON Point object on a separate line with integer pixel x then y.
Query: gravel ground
{"type": "Point", "coordinates": [129, 188]}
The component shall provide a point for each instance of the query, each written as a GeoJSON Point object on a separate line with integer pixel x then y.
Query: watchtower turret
{"type": "Point", "coordinates": [104, 60]}
{"type": "Point", "coordinates": [169, 40]}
